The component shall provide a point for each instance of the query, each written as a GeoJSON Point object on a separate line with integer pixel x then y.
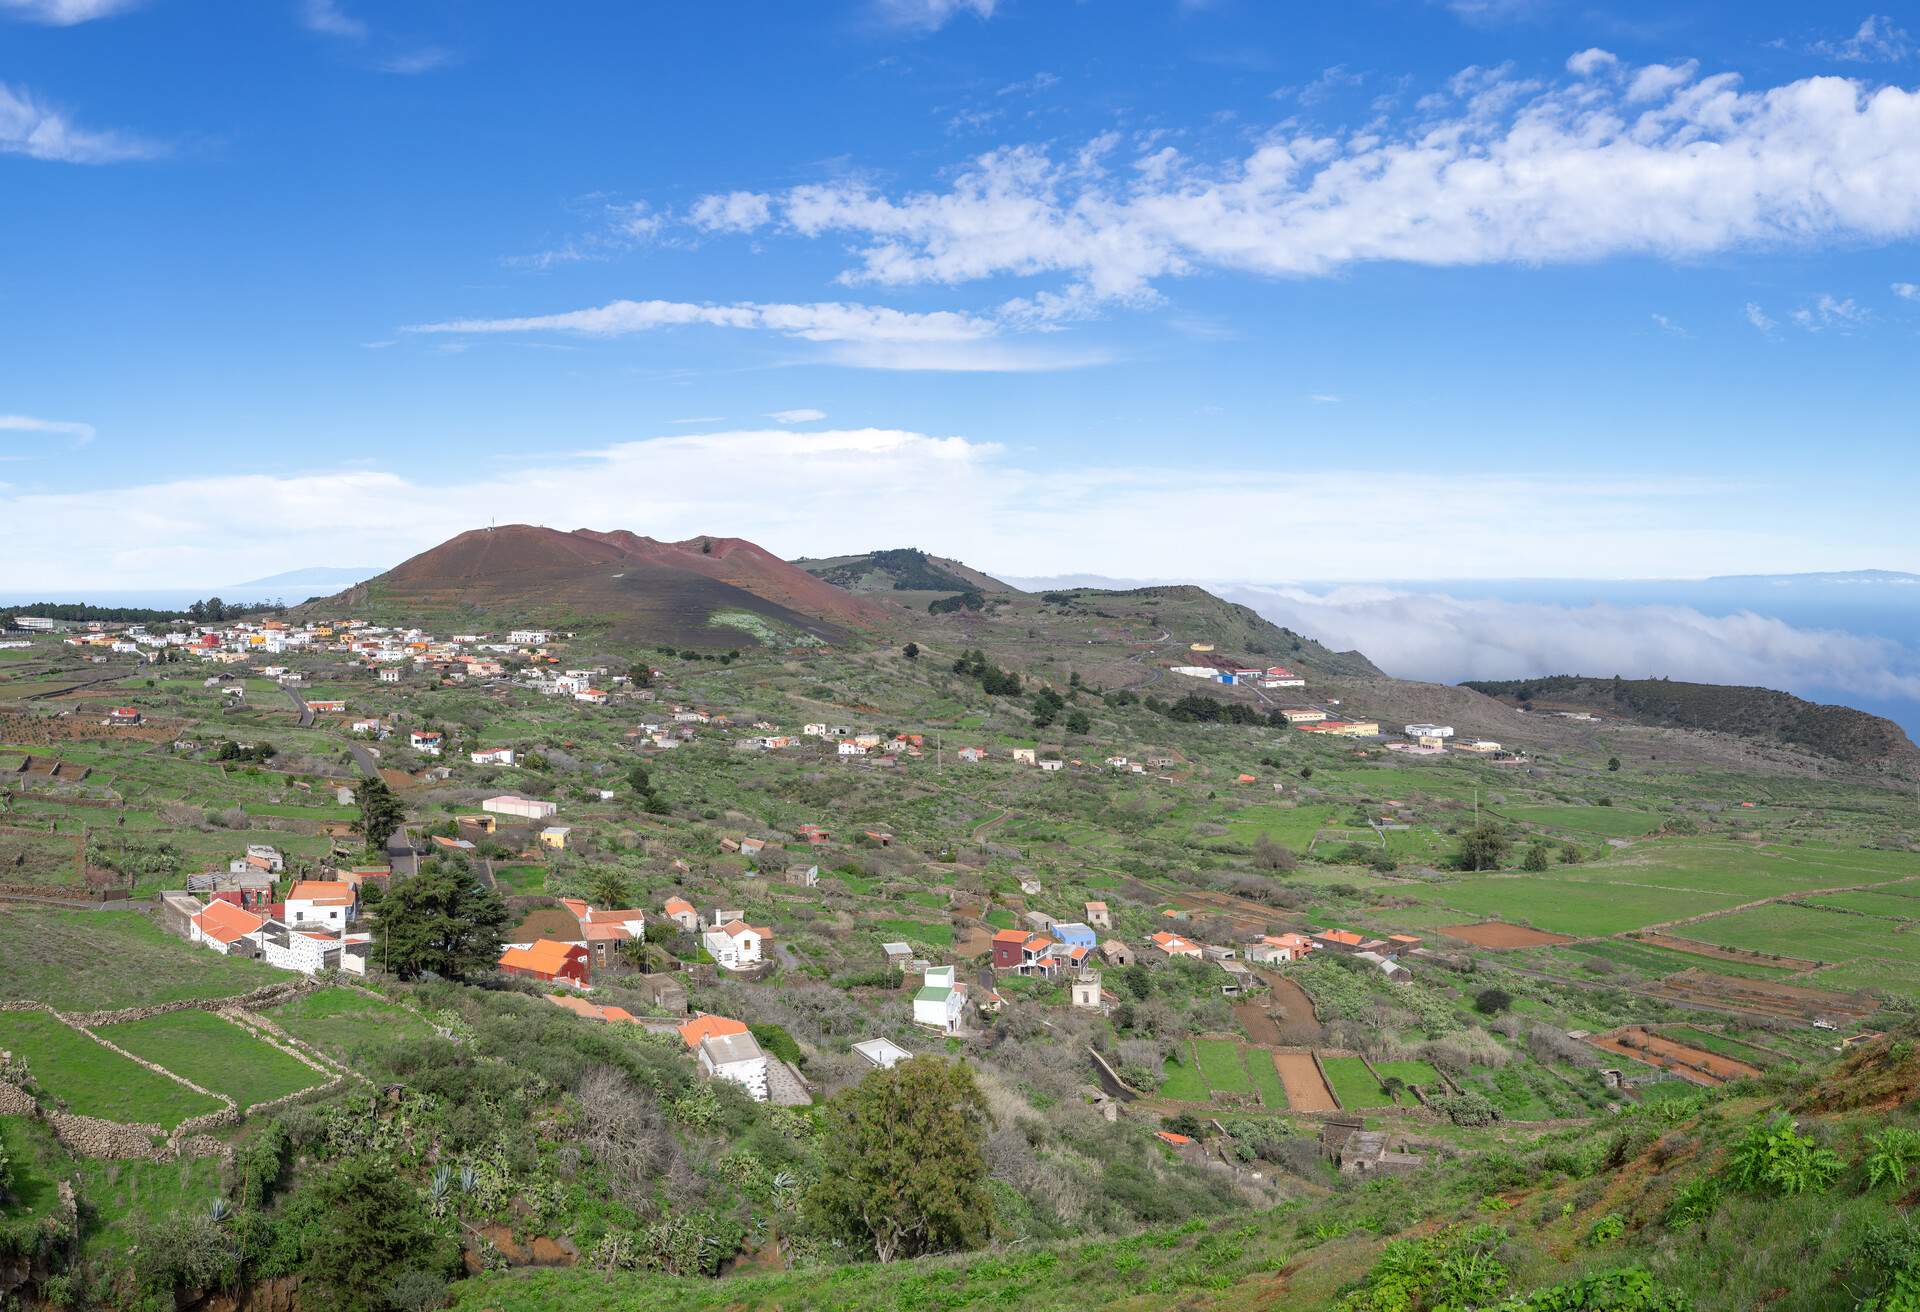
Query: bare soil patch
{"type": "Point", "coordinates": [1499, 934]}
{"type": "Point", "coordinates": [1300, 1076]}
{"type": "Point", "coordinates": [1286, 1013]}
{"type": "Point", "coordinates": [1685, 1060]}
{"type": "Point", "coordinates": [974, 942]}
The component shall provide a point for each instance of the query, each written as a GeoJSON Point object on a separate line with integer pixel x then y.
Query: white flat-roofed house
{"type": "Point", "coordinates": [736, 1057]}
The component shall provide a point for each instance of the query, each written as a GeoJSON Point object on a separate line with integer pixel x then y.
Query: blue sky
{"type": "Point", "coordinates": [1231, 289]}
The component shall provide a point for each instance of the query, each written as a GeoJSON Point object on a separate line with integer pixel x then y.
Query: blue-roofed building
{"type": "Point", "coordinates": [1075, 934]}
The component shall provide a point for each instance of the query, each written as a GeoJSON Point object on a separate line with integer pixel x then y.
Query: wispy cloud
{"type": "Point", "coordinates": [329, 19]}
{"type": "Point", "coordinates": [1878, 40]}
{"type": "Point", "coordinates": [1907, 291]}
{"type": "Point", "coordinates": [929, 15]}
{"type": "Point", "coordinates": [1325, 398]}
{"type": "Point", "coordinates": [64, 13]}
{"type": "Point", "coordinates": [619, 227]}
{"type": "Point", "coordinates": [414, 62]}
{"type": "Point", "coordinates": [865, 336]}
{"type": "Point", "coordinates": [1668, 326]}
{"type": "Point", "coordinates": [736, 211]}
{"type": "Point", "coordinates": [797, 416]}
{"type": "Point", "coordinates": [1759, 319]}
{"type": "Point", "coordinates": [31, 128]}
{"type": "Point", "coordinates": [80, 433]}
{"type": "Point", "coordinates": [1495, 168]}
{"type": "Point", "coordinates": [1829, 311]}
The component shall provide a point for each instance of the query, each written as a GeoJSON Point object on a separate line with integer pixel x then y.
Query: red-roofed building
{"type": "Point", "coordinates": [701, 1028]}
{"type": "Point", "coordinates": [1007, 945]}
{"type": "Point", "coordinates": [222, 925]}
{"type": "Point", "coordinates": [547, 961]}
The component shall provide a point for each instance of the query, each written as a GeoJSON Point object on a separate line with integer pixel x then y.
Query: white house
{"type": "Point", "coordinates": [492, 756]}
{"type": "Point", "coordinates": [303, 950]}
{"type": "Point", "coordinates": [221, 925]}
{"type": "Point", "coordinates": [390, 675]}
{"type": "Point", "coordinates": [736, 1057]}
{"type": "Point", "coordinates": [524, 807]}
{"type": "Point", "coordinates": [882, 1054]}
{"type": "Point", "coordinates": [321, 903]}
{"type": "Point", "coordinates": [1429, 731]}
{"type": "Point", "coordinates": [735, 945]}
{"type": "Point", "coordinates": [940, 1001]}
{"type": "Point", "coordinates": [269, 856]}
{"type": "Point", "coordinates": [528, 637]}
{"type": "Point", "coordinates": [427, 741]}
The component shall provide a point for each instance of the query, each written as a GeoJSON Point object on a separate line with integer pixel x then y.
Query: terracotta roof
{"type": "Point", "coordinates": [613, 933]}
{"type": "Point", "coordinates": [1039, 943]}
{"type": "Point", "coordinates": [224, 922]}
{"type": "Point", "coordinates": [678, 906]}
{"type": "Point", "coordinates": [705, 1027]}
{"type": "Point", "coordinates": [616, 917]}
{"type": "Point", "coordinates": [1177, 1140]}
{"type": "Point", "coordinates": [545, 957]}
{"type": "Point", "coordinates": [325, 892]}
{"type": "Point", "coordinates": [1011, 936]}
{"type": "Point", "coordinates": [1346, 936]}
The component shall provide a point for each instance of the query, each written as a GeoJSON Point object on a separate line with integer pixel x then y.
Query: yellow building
{"type": "Point", "coordinates": [555, 836]}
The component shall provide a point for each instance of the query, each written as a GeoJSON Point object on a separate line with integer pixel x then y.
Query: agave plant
{"type": "Point", "coordinates": [468, 1178]}
{"type": "Point", "coordinates": [437, 1190]}
{"type": "Point", "coordinates": [218, 1210]}
{"type": "Point", "coordinates": [783, 1187]}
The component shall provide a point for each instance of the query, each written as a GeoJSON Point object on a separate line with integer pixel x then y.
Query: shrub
{"type": "Point", "coordinates": [1492, 1001]}
{"type": "Point", "coordinates": [1893, 1152]}
{"type": "Point", "coordinates": [1774, 1157]}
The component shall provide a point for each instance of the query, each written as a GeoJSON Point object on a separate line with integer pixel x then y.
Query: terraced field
{"type": "Point", "coordinates": [215, 1054]}
{"type": "Point", "coordinates": [92, 1079]}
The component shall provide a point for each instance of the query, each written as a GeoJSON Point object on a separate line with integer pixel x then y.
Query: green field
{"type": "Point", "coordinates": [521, 879]}
{"type": "Point", "coordinates": [1577, 906]}
{"type": "Point", "coordinates": [62, 958]}
{"type": "Point", "coordinates": [1659, 961]}
{"type": "Point", "coordinates": [1289, 826]}
{"type": "Point", "coordinates": [344, 1023]}
{"type": "Point", "coordinates": [215, 1054]}
{"type": "Point", "coordinates": [1891, 906]}
{"type": "Point", "coordinates": [1221, 1067]}
{"type": "Point", "coordinates": [1184, 1082]}
{"type": "Point", "coordinates": [1797, 931]}
{"type": "Point", "coordinates": [1354, 1085]}
{"type": "Point", "coordinates": [915, 931]}
{"type": "Point", "coordinates": [1604, 821]}
{"type": "Point", "coordinates": [1718, 1043]}
{"type": "Point", "coordinates": [121, 1194]}
{"type": "Point", "coordinates": [95, 1081]}
{"type": "Point", "coordinates": [1266, 1079]}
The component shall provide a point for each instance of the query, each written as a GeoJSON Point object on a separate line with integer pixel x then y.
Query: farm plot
{"type": "Point", "coordinates": [1653, 960]}
{"type": "Point", "coordinates": [1356, 1088]}
{"type": "Point", "coordinates": [1289, 826]}
{"type": "Point", "coordinates": [1883, 903]}
{"type": "Point", "coordinates": [215, 1054]}
{"type": "Point", "coordinates": [1495, 934]}
{"type": "Point", "coordinates": [55, 957]}
{"type": "Point", "coordinates": [1603, 821]}
{"type": "Point", "coordinates": [92, 1079]}
{"type": "Point", "coordinates": [1580, 906]}
{"type": "Point", "coordinates": [1668, 1054]}
{"type": "Point", "coordinates": [1221, 1067]}
{"type": "Point", "coordinates": [39, 861]}
{"type": "Point", "coordinates": [1802, 931]}
{"type": "Point", "coordinates": [915, 931]}
{"type": "Point", "coordinates": [1305, 1090]}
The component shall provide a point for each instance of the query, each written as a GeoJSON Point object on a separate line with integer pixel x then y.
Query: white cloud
{"type": "Point", "coordinates": [737, 211]}
{"type": "Point", "coordinates": [865, 336]}
{"type": "Point", "coordinates": [985, 508]}
{"type": "Point", "coordinates": [1495, 169]}
{"type": "Point", "coordinates": [1829, 311]}
{"type": "Point", "coordinates": [64, 13]}
{"type": "Point", "coordinates": [30, 128]}
{"type": "Point", "coordinates": [80, 433]}
{"type": "Point", "coordinates": [1876, 41]}
{"type": "Point", "coordinates": [1432, 635]}
{"type": "Point", "coordinates": [329, 19]}
{"type": "Point", "coordinates": [1324, 398]}
{"type": "Point", "coordinates": [1759, 319]}
{"type": "Point", "coordinates": [929, 15]}
{"type": "Point", "coordinates": [797, 416]}
{"type": "Point", "coordinates": [1590, 61]}
{"type": "Point", "coordinates": [1666, 325]}
{"type": "Point", "coordinates": [1909, 291]}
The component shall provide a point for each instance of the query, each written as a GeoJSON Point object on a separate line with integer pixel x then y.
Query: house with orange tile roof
{"type": "Point", "coordinates": [1007, 948]}
{"type": "Point", "coordinates": [222, 925]}
{"type": "Point", "coordinates": [321, 904]}
{"type": "Point", "coordinates": [547, 961]}
{"type": "Point", "coordinates": [681, 912]}
{"type": "Point", "coordinates": [736, 945]}
{"type": "Point", "coordinates": [1175, 946]}
{"type": "Point", "coordinates": [1270, 949]}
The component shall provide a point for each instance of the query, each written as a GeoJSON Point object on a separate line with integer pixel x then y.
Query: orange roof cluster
{"type": "Point", "coordinates": [1011, 936]}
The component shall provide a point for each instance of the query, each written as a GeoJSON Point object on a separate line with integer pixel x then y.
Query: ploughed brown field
{"type": "Point", "coordinates": [1498, 934]}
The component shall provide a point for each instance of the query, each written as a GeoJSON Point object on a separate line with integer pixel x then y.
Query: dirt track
{"type": "Point", "coordinates": [1495, 934]}
{"type": "Point", "coordinates": [1306, 1091]}
{"type": "Point", "coordinates": [1283, 1018]}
